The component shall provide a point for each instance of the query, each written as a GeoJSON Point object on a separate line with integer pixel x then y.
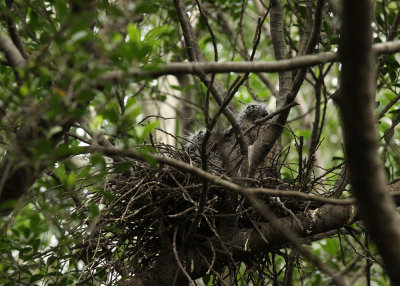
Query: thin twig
{"type": "Point", "coordinates": [178, 261]}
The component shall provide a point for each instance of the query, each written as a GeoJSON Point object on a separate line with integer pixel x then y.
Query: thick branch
{"type": "Point", "coordinates": [195, 55]}
{"type": "Point", "coordinates": [228, 185]}
{"type": "Point", "coordinates": [313, 222]}
{"type": "Point", "coordinates": [199, 68]}
{"type": "Point", "coordinates": [12, 53]}
{"type": "Point", "coordinates": [12, 29]}
{"type": "Point", "coordinates": [246, 243]}
{"type": "Point", "coordinates": [366, 173]}
{"type": "Point", "coordinates": [279, 45]}
{"type": "Point", "coordinates": [288, 91]}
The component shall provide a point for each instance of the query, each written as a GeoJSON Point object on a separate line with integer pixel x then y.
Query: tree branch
{"type": "Point", "coordinates": [133, 154]}
{"type": "Point", "coordinates": [12, 53]}
{"type": "Point", "coordinates": [12, 29]}
{"type": "Point", "coordinates": [200, 68]}
{"type": "Point", "coordinates": [287, 89]}
{"type": "Point", "coordinates": [366, 173]}
{"type": "Point", "coordinates": [195, 55]}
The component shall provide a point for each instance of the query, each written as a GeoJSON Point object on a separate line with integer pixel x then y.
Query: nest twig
{"type": "Point", "coordinates": [150, 203]}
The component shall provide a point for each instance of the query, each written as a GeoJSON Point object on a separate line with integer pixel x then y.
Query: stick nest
{"type": "Point", "coordinates": [150, 202]}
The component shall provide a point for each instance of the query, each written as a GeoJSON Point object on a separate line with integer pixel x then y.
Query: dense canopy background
{"type": "Point", "coordinates": [136, 148]}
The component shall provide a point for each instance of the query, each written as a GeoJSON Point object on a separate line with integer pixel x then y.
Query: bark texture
{"type": "Point", "coordinates": [366, 173]}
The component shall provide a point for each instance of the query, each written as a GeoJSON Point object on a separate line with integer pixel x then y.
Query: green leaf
{"type": "Point", "coordinates": [94, 210]}
{"type": "Point", "coordinates": [161, 97]}
{"type": "Point", "coordinates": [64, 151]}
{"type": "Point", "coordinates": [35, 244]}
{"type": "Point", "coordinates": [144, 131]}
{"type": "Point", "coordinates": [69, 180]}
{"type": "Point", "coordinates": [148, 7]}
{"type": "Point", "coordinates": [132, 112]}
{"type": "Point", "coordinates": [98, 161]}
{"type": "Point", "coordinates": [331, 246]}
{"type": "Point", "coordinates": [35, 221]}
{"type": "Point", "coordinates": [152, 162]}
{"type": "Point", "coordinates": [335, 158]}
{"type": "Point", "coordinates": [122, 167]}
{"type": "Point", "coordinates": [8, 204]}
{"type": "Point", "coordinates": [108, 196]}
{"type": "Point", "coordinates": [42, 147]}
{"type": "Point", "coordinates": [111, 113]}
{"type": "Point", "coordinates": [64, 281]}
{"type": "Point", "coordinates": [133, 32]}
{"type": "Point", "coordinates": [302, 11]}
{"type": "Point", "coordinates": [156, 33]}
{"type": "Point", "coordinates": [24, 90]}
{"type": "Point", "coordinates": [208, 279]}
{"type": "Point", "coordinates": [36, 277]}
{"type": "Point", "coordinates": [306, 133]}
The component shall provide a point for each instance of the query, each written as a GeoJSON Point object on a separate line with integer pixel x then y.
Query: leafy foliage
{"type": "Point", "coordinates": [62, 101]}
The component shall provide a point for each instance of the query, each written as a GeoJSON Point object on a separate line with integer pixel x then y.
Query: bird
{"type": "Point", "coordinates": [222, 147]}
{"type": "Point", "coordinates": [248, 116]}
